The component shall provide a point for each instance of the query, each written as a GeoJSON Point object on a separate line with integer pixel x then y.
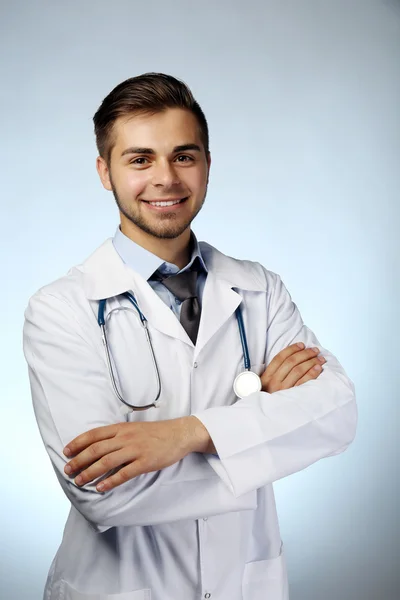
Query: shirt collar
{"type": "Point", "coordinates": [106, 275]}
{"type": "Point", "coordinates": [146, 263]}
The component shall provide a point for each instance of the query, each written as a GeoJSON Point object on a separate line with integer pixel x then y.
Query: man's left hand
{"type": "Point", "coordinates": [133, 449]}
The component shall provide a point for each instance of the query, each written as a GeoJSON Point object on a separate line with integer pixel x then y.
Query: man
{"type": "Point", "coordinates": [174, 501]}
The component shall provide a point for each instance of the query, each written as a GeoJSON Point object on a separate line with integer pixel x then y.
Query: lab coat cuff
{"type": "Point", "coordinates": [238, 437]}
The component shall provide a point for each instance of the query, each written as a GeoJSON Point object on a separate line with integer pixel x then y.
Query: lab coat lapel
{"type": "Point", "coordinates": [219, 303]}
{"type": "Point", "coordinates": [105, 276]}
{"type": "Point", "coordinates": [158, 314]}
{"type": "Point", "coordinates": [220, 300]}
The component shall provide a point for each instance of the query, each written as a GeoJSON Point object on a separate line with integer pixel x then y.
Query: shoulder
{"type": "Point", "coordinates": [246, 273]}
{"type": "Point", "coordinates": [72, 287]}
{"type": "Point", "coordinates": [65, 294]}
{"type": "Point", "coordinates": [67, 288]}
{"type": "Point", "coordinates": [56, 309]}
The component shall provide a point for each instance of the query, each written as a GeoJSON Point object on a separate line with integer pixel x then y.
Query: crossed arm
{"type": "Point", "coordinates": [144, 447]}
{"type": "Point", "coordinates": [280, 430]}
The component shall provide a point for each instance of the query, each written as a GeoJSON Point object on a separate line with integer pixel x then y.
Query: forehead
{"type": "Point", "coordinates": [171, 127]}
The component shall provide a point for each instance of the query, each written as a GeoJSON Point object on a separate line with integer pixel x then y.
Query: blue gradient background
{"type": "Point", "coordinates": [302, 99]}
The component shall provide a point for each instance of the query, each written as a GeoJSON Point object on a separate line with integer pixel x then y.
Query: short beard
{"type": "Point", "coordinates": [168, 233]}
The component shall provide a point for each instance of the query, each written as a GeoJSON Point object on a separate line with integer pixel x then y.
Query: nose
{"type": "Point", "coordinates": [164, 174]}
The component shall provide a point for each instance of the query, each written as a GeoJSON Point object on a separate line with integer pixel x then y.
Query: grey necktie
{"type": "Point", "coordinates": [184, 287]}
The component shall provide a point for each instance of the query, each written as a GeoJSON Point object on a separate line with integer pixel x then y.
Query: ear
{"type": "Point", "coordinates": [104, 173]}
{"type": "Point", "coordinates": [208, 165]}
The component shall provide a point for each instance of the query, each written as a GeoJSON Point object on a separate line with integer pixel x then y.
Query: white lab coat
{"type": "Point", "coordinates": [205, 527]}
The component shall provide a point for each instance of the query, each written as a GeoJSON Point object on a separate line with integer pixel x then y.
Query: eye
{"type": "Point", "coordinates": [140, 160]}
{"type": "Point", "coordinates": [184, 158]}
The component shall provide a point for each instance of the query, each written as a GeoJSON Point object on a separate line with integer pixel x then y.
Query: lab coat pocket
{"type": "Point", "coordinates": [70, 593]}
{"type": "Point", "coordinates": [266, 579]}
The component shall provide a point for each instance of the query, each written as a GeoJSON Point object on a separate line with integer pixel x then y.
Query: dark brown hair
{"type": "Point", "coordinates": [146, 94]}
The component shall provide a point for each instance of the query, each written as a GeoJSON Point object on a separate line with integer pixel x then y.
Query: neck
{"type": "Point", "coordinates": [175, 251]}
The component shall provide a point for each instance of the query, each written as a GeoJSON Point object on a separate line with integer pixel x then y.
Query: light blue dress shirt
{"type": "Point", "coordinates": [146, 263]}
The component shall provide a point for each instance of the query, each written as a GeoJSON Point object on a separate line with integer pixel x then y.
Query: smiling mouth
{"type": "Point", "coordinates": [165, 203]}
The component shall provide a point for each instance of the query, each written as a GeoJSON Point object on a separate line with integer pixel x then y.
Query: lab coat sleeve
{"type": "Point", "coordinates": [71, 394]}
{"type": "Point", "coordinates": [267, 436]}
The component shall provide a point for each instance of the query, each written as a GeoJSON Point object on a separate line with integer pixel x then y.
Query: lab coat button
{"type": "Point", "coordinates": [195, 365]}
{"type": "Point", "coordinates": [205, 518]}
{"type": "Point", "coordinates": [208, 595]}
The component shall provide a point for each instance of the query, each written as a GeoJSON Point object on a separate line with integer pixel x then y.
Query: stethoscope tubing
{"type": "Point", "coordinates": [243, 338]}
{"type": "Point", "coordinates": [102, 324]}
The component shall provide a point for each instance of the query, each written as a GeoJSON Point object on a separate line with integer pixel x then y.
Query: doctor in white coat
{"type": "Point", "coordinates": [174, 502]}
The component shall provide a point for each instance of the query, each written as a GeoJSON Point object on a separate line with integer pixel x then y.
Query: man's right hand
{"type": "Point", "coordinates": [292, 366]}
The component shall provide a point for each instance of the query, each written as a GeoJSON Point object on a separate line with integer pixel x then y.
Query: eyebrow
{"type": "Point", "coordinates": [182, 148]}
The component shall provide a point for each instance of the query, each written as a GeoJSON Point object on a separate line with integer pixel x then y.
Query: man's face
{"type": "Point", "coordinates": [157, 158]}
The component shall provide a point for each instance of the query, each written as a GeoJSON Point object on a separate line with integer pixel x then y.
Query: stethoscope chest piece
{"type": "Point", "coordinates": [246, 383]}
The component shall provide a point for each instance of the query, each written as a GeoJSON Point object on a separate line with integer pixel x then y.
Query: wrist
{"type": "Point", "coordinates": [196, 436]}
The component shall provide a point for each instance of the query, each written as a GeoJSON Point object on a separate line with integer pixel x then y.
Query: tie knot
{"type": "Point", "coordinates": [183, 285]}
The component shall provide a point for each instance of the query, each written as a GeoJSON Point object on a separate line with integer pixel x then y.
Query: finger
{"type": "Point", "coordinates": [309, 376]}
{"type": "Point", "coordinates": [91, 454]}
{"type": "Point", "coordinates": [89, 437]}
{"type": "Point", "coordinates": [277, 361]}
{"type": "Point", "coordinates": [298, 362]}
{"type": "Point", "coordinates": [103, 466]}
{"type": "Point", "coordinates": [134, 469]}
{"type": "Point", "coordinates": [300, 370]}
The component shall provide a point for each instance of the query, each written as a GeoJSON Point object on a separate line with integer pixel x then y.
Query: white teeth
{"type": "Point", "coordinates": [164, 203]}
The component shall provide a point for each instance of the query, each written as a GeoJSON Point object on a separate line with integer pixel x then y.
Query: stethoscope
{"type": "Point", "coordinates": [246, 383]}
